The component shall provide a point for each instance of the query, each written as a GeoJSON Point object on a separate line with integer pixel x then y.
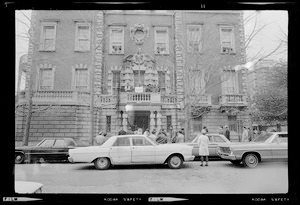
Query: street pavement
{"type": "Point", "coordinates": [218, 178]}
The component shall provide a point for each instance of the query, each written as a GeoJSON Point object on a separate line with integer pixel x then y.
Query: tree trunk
{"type": "Point", "coordinates": [28, 122]}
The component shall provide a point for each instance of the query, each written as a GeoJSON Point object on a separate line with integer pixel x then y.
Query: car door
{"type": "Point", "coordinates": [42, 150]}
{"type": "Point", "coordinates": [59, 150]}
{"type": "Point", "coordinates": [279, 147]}
{"type": "Point", "coordinates": [143, 151]}
{"type": "Point", "coordinates": [120, 151]}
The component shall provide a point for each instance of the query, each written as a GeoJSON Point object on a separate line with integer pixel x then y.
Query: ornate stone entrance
{"type": "Point", "coordinates": [139, 119]}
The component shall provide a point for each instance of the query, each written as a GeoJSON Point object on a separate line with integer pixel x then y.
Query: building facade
{"type": "Point", "coordinates": [141, 69]}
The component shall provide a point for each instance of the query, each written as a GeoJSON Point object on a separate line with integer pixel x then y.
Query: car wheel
{"type": "Point", "coordinates": [102, 163]}
{"type": "Point", "coordinates": [175, 162]}
{"type": "Point", "coordinates": [19, 158]}
{"type": "Point", "coordinates": [235, 162]}
{"type": "Point", "coordinates": [250, 160]}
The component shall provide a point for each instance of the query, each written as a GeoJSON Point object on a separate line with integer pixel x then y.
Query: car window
{"type": "Point", "coordinates": [140, 141]}
{"type": "Point", "coordinates": [122, 141]}
{"type": "Point", "coordinates": [47, 143]}
{"type": "Point", "coordinates": [282, 138]}
{"type": "Point", "coordinates": [70, 142]}
{"type": "Point", "coordinates": [60, 143]}
{"type": "Point", "coordinates": [210, 138]}
{"type": "Point", "coordinates": [218, 139]}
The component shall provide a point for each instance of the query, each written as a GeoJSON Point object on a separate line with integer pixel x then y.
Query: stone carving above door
{"type": "Point", "coordinates": [138, 33]}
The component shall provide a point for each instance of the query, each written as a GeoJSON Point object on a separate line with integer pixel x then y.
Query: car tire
{"type": "Point", "coordinates": [235, 162]}
{"type": "Point", "coordinates": [19, 158]}
{"type": "Point", "coordinates": [175, 162]}
{"type": "Point", "coordinates": [250, 160]}
{"type": "Point", "coordinates": [102, 163]}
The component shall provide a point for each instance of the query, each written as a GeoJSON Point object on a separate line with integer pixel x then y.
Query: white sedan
{"type": "Point", "coordinates": [132, 149]}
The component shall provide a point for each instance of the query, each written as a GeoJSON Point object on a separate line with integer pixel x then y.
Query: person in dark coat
{"type": "Point", "coordinates": [122, 132]}
{"type": "Point", "coordinates": [227, 132]}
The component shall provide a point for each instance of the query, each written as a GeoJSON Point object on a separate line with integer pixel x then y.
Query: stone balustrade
{"type": "Point", "coordinates": [233, 99]}
{"type": "Point", "coordinates": [69, 97]}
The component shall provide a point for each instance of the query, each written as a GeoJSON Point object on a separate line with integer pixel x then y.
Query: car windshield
{"type": "Point", "coordinates": [78, 142]}
{"type": "Point", "coordinates": [263, 138]}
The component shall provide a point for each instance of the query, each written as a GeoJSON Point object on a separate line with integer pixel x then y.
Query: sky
{"type": "Point", "coordinates": [276, 23]}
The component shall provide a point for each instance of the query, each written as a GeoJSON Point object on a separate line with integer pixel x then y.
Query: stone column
{"type": "Point", "coordinates": [158, 116]}
{"type": "Point", "coordinates": [125, 121]}
{"type": "Point", "coordinates": [152, 121]}
{"type": "Point", "coordinates": [98, 46]}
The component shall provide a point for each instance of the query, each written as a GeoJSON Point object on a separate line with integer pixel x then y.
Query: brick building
{"type": "Point", "coordinates": [143, 67]}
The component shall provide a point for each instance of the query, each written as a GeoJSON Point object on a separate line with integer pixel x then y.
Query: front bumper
{"type": "Point", "coordinates": [71, 159]}
{"type": "Point", "coordinates": [189, 158]}
{"type": "Point", "coordinates": [227, 156]}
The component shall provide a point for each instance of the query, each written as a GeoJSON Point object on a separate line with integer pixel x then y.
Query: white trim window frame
{"type": "Point", "coordinates": [81, 79]}
{"type": "Point", "coordinates": [46, 78]}
{"type": "Point", "coordinates": [83, 37]}
{"type": "Point", "coordinates": [194, 38]}
{"type": "Point", "coordinates": [230, 85]}
{"type": "Point", "coordinates": [116, 40]}
{"type": "Point", "coordinates": [48, 36]}
{"type": "Point", "coordinates": [227, 39]}
{"type": "Point", "coordinates": [161, 41]}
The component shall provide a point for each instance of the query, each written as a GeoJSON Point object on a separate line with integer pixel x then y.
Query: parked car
{"type": "Point", "coordinates": [23, 187]}
{"type": "Point", "coordinates": [271, 146]}
{"type": "Point", "coordinates": [49, 149]}
{"type": "Point", "coordinates": [214, 141]}
{"type": "Point", "coordinates": [132, 149]}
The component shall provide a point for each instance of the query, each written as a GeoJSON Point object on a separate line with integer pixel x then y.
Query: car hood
{"type": "Point", "coordinates": [87, 149]}
{"type": "Point", "coordinates": [243, 144]}
{"type": "Point", "coordinates": [26, 147]}
{"type": "Point", "coordinates": [23, 187]}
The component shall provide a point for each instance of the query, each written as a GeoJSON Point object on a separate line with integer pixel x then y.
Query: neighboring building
{"type": "Point", "coordinates": [258, 76]}
{"type": "Point", "coordinates": [135, 63]}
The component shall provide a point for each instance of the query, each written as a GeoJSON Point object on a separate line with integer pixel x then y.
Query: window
{"type": "Point", "coordinates": [48, 36]}
{"type": "Point", "coordinates": [227, 39]}
{"type": "Point", "coordinates": [140, 141]}
{"type": "Point", "coordinates": [116, 79]}
{"type": "Point", "coordinates": [169, 122]}
{"type": "Point", "coordinates": [116, 45]}
{"type": "Point", "coordinates": [59, 143]}
{"type": "Point", "coordinates": [230, 83]}
{"type": "Point", "coordinates": [232, 122]}
{"type": "Point", "coordinates": [81, 79]}
{"type": "Point", "coordinates": [83, 37]}
{"type": "Point", "coordinates": [122, 141]}
{"type": "Point", "coordinates": [139, 77]}
{"type": "Point", "coordinates": [194, 38]}
{"type": "Point", "coordinates": [197, 124]}
{"type": "Point", "coordinates": [46, 78]}
{"type": "Point", "coordinates": [108, 123]}
{"type": "Point", "coordinates": [161, 40]}
{"type": "Point", "coordinates": [47, 143]}
{"type": "Point", "coordinates": [162, 81]}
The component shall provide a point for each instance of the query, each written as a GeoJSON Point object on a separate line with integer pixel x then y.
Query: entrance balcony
{"type": "Point", "coordinates": [69, 97]}
{"type": "Point", "coordinates": [233, 100]}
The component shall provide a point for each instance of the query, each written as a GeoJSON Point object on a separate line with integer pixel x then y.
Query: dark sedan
{"type": "Point", "coordinates": [49, 149]}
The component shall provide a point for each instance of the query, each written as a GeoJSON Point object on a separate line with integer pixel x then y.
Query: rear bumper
{"type": "Point", "coordinates": [189, 158]}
